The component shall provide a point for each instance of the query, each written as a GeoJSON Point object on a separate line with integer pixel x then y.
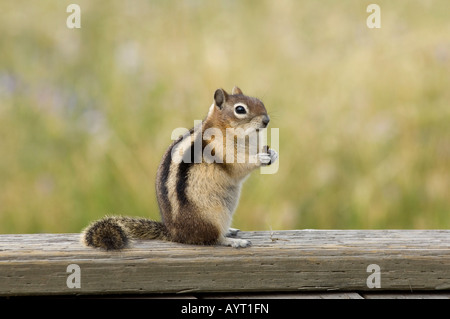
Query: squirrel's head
{"type": "Point", "coordinates": [237, 110]}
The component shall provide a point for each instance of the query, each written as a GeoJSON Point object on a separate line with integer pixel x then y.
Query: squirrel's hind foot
{"type": "Point", "coordinates": [235, 242]}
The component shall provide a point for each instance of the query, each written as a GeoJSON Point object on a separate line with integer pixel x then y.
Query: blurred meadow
{"type": "Point", "coordinates": [363, 114]}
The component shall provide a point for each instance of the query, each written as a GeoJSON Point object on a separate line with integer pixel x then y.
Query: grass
{"type": "Point", "coordinates": [86, 114]}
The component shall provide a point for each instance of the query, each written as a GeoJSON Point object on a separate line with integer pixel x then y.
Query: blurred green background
{"type": "Point", "coordinates": [363, 114]}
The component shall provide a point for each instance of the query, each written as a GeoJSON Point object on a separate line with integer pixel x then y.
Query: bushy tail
{"type": "Point", "coordinates": [116, 231]}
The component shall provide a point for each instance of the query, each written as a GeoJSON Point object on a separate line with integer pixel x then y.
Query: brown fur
{"type": "Point", "coordinates": [196, 200]}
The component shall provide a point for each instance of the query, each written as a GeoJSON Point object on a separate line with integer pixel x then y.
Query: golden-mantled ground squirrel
{"type": "Point", "coordinates": [199, 180]}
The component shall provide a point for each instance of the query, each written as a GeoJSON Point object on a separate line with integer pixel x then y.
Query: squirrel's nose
{"type": "Point", "coordinates": [265, 120]}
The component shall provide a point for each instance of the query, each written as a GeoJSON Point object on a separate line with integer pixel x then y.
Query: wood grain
{"type": "Point", "coordinates": [289, 261]}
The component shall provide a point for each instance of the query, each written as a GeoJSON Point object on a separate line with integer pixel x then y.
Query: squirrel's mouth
{"type": "Point", "coordinates": [262, 127]}
{"type": "Point", "coordinates": [256, 126]}
{"type": "Point", "coordinates": [264, 123]}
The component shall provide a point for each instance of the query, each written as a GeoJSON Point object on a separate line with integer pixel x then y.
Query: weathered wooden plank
{"type": "Point", "coordinates": [393, 295]}
{"type": "Point", "coordinates": [295, 295]}
{"type": "Point", "coordinates": [300, 260]}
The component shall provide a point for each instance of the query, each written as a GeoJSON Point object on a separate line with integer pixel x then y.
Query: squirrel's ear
{"type": "Point", "coordinates": [236, 90]}
{"type": "Point", "coordinates": [220, 97]}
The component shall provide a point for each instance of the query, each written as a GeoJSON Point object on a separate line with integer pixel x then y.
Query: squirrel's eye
{"type": "Point", "coordinates": [240, 109]}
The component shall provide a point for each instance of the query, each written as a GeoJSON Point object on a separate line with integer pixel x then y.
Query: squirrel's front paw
{"type": "Point", "coordinates": [269, 157]}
